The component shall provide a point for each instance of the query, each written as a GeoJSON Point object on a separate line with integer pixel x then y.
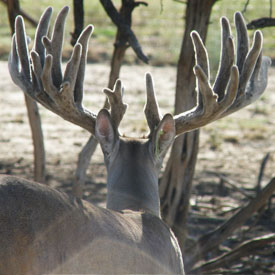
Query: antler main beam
{"type": "Point", "coordinates": [235, 86]}
{"type": "Point", "coordinates": [42, 77]}
{"type": "Point", "coordinates": [151, 109]}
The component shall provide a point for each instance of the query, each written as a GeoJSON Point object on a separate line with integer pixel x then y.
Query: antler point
{"type": "Point", "coordinates": [49, 9]}
{"type": "Point", "coordinates": [65, 9]}
{"type": "Point", "coordinates": [118, 86]}
{"type": "Point", "coordinates": [78, 47]}
{"type": "Point", "coordinates": [238, 14]}
{"type": "Point", "coordinates": [238, 18]}
{"type": "Point", "coordinates": [148, 77]}
{"type": "Point", "coordinates": [194, 34]}
{"type": "Point", "coordinates": [107, 91]}
{"type": "Point", "coordinates": [90, 26]}
{"type": "Point", "coordinates": [259, 34]}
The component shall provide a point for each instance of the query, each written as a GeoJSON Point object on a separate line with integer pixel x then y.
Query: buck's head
{"type": "Point", "coordinates": [133, 165]}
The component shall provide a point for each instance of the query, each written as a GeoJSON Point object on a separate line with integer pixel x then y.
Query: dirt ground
{"type": "Point", "coordinates": [231, 150]}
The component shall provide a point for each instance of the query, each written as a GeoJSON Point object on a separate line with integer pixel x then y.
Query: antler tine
{"type": "Point", "coordinates": [208, 98]}
{"type": "Point", "coordinates": [83, 40]}
{"type": "Point", "coordinates": [61, 95]}
{"type": "Point", "coordinates": [226, 59]}
{"type": "Point", "coordinates": [251, 69]}
{"type": "Point", "coordinates": [71, 73]}
{"type": "Point", "coordinates": [209, 108]}
{"type": "Point", "coordinates": [257, 68]}
{"type": "Point", "coordinates": [254, 88]}
{"type": "Point", "coordinates": [231, 92]}
{"type": "Point", "coordinates": [242, 40]}
{"type": "Point", "coordinates": [246, 59]}
{"type": "Point", "coordinates": [250, 61]}
{"type": "Point", "coordinates": [202, 62]}
{"type": "Point", "coordinates": [201, 54]}
{"type": "Point", "coordinates": [41, 31]}
{"type": "Point", "coordinates": [151, 109]}
{"type": "Point", "coordinates": [13, 63]}
{"type": "Point", "coordinates": [22, 48]}
{"type": "Point", "coordinates": [62, 101]}
{"type": "Point", "coordinates": [19, 58]}
{"type": "Point", "coordinates": [118, 108]}
{"type": "Point", "coordinates": [46, 78]}
{"type": "Point", "coordinates": [54, 46]}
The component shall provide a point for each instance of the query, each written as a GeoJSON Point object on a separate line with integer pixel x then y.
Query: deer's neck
{"type": "Point", "coordinates": [133, 181]}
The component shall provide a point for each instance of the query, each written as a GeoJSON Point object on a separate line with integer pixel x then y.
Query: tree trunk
{"type": "Point", "coordinates": [83, 162]}
{"type": "Point", "coordinates": [176, 183]}
{"type": "Point", "coordinates": [37, 139]}
{"type": "Point", "coordinates": [120, 47]}
{"type": "Point", "coordinates": [117, 58]}
{"type": "Point", "coordinates": [27, 17]}
{"type": "Point", "coordinates": [88, 150]}
{"type": "Point", "coordinates": [13, 10]}
{"type": "Point", "coordinates": [78, 20]}
{"type": "Point", "coordinates": [33, 112]}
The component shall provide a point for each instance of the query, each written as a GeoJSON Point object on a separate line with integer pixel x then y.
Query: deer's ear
{"type": "Point", "coordinates": [163, 136]}
{"type": "Point", "coordinates": [105, 132]}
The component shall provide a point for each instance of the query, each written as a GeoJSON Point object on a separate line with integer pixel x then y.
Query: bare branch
{"type": "Point", "coordinates": [27, 17]}
{"type": "Point", "coordinates": [78, 20]}
{"type": "Point", "coordinates": [212, 239]}
{"type": "Point", "coordinates": [245, 6]}
{"type": "Point", "coordinates": [261, 172]}
{"type": "Point", "coordinates": [261, 23]}
{"type": "Point", "coordinates": [125, 28]}
{"type": "Point", "coordinates": [246, 248]}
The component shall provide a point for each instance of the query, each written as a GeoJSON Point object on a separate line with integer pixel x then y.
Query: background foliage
{"type": "Point", "coordinates": [159, 28]}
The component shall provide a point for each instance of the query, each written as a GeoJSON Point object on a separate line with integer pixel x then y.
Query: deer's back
{"type": "Point", "coordinates": [44, 230]}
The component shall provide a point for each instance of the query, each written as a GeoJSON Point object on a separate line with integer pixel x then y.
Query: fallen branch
{"type": "Point", "coordinates": [261, 172]}
{"type": "Point", "coordinates": [234, 186]}
{"type": "Point", "coordinates": [246, 248]}
{"type": "Point", "coordinates": [213, 239]}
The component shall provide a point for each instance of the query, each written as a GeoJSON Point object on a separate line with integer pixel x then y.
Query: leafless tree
{"type": "Point", "coordinates": [125, 38]}
{"type": "Point", "coordinates": [13, 7]}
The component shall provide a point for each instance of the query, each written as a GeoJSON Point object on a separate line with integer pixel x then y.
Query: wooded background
{"type": "Point", "coordinates": [162, 29]}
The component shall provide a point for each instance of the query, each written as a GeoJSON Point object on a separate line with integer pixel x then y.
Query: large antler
{"type": "Point", "coordinates": [235, 87]}
{"type": "Point", "coordinates": [41, 76]}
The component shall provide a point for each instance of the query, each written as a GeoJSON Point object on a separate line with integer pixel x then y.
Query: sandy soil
{"type": "Point", "coordinates": [233, 147]}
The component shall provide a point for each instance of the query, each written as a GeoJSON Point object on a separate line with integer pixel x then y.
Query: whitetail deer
{"type": "Point", "coordinates": [46, 231]}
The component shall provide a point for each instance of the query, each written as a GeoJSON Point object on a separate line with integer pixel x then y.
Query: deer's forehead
{"type": "Point", "coordinates": [128, 141]}
{"type": "Point", "coordinates": [133, 146]}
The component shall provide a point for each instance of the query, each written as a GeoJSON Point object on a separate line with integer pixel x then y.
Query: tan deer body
{"type": "Point", "coordinates": [46, 231]}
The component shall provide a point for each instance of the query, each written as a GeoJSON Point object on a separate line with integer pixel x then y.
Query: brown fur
{"type": "Point", "coordinates": [43, 230]}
